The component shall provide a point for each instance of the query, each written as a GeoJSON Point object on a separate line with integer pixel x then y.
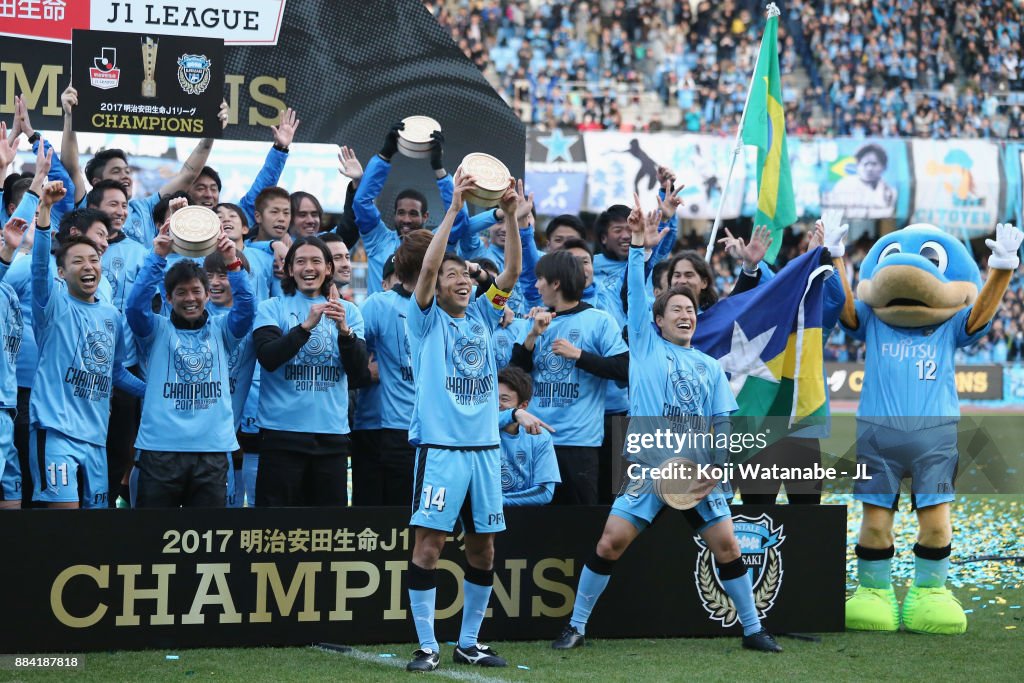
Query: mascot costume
{"type": "Point", "coordinates": [920, 297]}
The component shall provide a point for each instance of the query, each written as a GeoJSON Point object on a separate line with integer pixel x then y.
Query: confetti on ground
{"type": "Point", "coordinates": [171, 657]}
{"type": "Point", "coordinates": [524, 668]}
{"type": "Point", "coordinates": [385, 655]}
{"type": "Point", "coordinates": [981, 526]}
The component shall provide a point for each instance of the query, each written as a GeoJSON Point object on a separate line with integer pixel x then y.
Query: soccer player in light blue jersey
{"type": "Point", "coordinates": [671, 382]}
{"type": "Point", "coordinates": [261, 263]}
{"type": "Point", "coordinates": [11, 326]}
{"type": "Point", "coordinates": [241, 372]}
{"type": "Point", "coordinates": [121, 262]}
{"type": "Point", "coordinates": [81, 355]}
{"type": "Point", "coordinates": [309, 344]}
{"type": "Point", "coordinates": [385, 315]}
{"type": "Point", "coordinates": [455, 430]}
{"type": "Point", "coordinates": [189, 387]}
{"type": "Point", "coordinates": [571, 351]}
{"type": "Point", "coordinates": [529, 470]}
{"type": "Point", "coordinates": [411, 213]}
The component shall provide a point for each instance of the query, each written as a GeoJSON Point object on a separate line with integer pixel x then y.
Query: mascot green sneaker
{"type": "Point", "coordinates": [932, 610]}
{"type": "Point", "coordinates": [873, 609]}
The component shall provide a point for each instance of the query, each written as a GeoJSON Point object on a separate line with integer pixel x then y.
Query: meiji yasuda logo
{"type": "Point", "coordinates": [104, 73]}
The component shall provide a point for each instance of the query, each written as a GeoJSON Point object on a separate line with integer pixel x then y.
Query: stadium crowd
{"type": "Point", "coordinates": [905, 68]}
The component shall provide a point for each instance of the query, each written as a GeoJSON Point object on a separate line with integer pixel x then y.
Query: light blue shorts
{"type": "Point", "coordinates": [458, 484]}
{"type": "Point", "coordinates": [56, 462]}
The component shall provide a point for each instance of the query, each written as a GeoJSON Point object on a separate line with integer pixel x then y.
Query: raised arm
{"type": "Point", "coordinates": [427, 282]}
{"type": "Point", "coordinates": [367, 214]}
{"type": "Point", "coordinates": [42, 282]}
{"type": "Point", "coordinates": [189, 171]}
{"type": "Point", "coordinates": [506, 279]}
{"type": "Point", "coordinates": [835, 241]}
{"type": "Point", "coordinates": [1002, 263]}
{"type": "Point", "coordinates": [273, 165]}
{"type": "Point", "coordinates": [639, 314]}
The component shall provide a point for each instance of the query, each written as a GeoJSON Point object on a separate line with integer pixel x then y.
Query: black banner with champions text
{"type": "Point", "coordinates": [96, 580]}
{"type": "Point", "coordinates": [350, 70]}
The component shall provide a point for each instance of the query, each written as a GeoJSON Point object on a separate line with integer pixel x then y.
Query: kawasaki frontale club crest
{"type": "Point", "coordinates": [759, 542]}
{"type": "Point", "coordinates": [193, 73]}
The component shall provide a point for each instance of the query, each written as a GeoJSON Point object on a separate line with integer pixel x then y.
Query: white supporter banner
{"type": "Point", "coordinates": [622, 163]}
{"type": "Point", "coordinates": [957, 184]}
{"type": "Point", "coordinates": [238, 22]}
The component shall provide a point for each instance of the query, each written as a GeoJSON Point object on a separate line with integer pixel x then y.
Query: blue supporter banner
{"type": "Point", "coordinates": [556, 193]}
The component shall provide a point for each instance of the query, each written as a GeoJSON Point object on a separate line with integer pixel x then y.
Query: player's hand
{"type": "Point", "coordinates": [162, 243]}
{"type": "Point", "coordinates": [227, 248]}
{"type": "Point", "coordinates": [391, 141]}
{"type": "Point", "coordinates": [69, 99]}
{"type": "Point", "coordinates": [175, 205]}
{"type": "Point", "coordinates": [336, 311]}
{"type": "Point", "coordinates": [524, 204]}
{"type": "Point", "coordinates": [280, 250]}
{"type": "Point", "coordinates": [462, 184]}
{"type": "Point", "coordinates": [350, 166]}
{"type": "Point", "coordinates": [8, 148]}
{"type": "Point", "coordinates": [53, 192]}
{"type": "Point", "coordinates": [670, 204]}
{"type": "Point", "coordinates": [817, 237]}
{"type": "Point", "coordinates": [635, 221]}
{"type": "Point", "coordinates": [284, 132]}
{"type": "Point", "coordinates": [1004, 247]}
{"type": "Point", "coordinates": [760, 241]}
{"type": "Point", "coordinates": [44, 158]}
{"type": "Point", "coordinates": [223, 113]}
{"type": "Point", "coordinates": [563, 348]}
{"type": "Point", "coordinates": [373, 368]}
{"type": "Point", "coordinates": [14, 233]}
{"type": "Point", "coordinates": [531, 423]}
{"type": "Point", "coordinates": [437, 150]}
{"type": "Point", "coordinates": [509, 201]}
{"type": "Point", "coordinates": [316, 312]}
{"type": "Point", "coordinates": [541, 321]}
{"type": "Point", "coordinates": [835, 232]}
{"type": "Point", "coordinates": [507, 316]}
{"type": "Point", "coordinates": [22, 121]}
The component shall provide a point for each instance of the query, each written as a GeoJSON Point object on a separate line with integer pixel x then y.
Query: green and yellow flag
{"type": "Point", "coordinates": [765, 128]}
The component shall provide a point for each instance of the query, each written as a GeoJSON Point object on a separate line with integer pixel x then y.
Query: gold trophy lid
{"type": "Point", "coordinates": [490, 174]}
{"type": "Point", "coordinates": [194, 227]}
{"type": "Point", "coordinates": [418, 130]}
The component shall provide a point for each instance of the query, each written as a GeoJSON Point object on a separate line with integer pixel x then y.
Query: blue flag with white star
{"type": "Point", "coordinates": [769, 342]}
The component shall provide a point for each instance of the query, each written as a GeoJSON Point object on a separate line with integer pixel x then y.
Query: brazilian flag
{"type": "Point", "coordinates": [765, 128]}
{"type": "Point", "coordinates": [769, 342]}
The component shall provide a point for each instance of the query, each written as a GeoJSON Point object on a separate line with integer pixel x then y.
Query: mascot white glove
{"type": "Point", "coordinates": [835, 234]}
{"type": "Point", "coordinates": [1004, 247]}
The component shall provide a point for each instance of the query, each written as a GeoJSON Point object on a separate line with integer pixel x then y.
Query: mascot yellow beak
{"type": "Point", "coordinates": [906, 296]}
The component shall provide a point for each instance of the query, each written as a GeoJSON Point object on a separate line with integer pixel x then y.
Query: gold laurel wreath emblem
{"type": "Point", "coordinates": [191, 89]}
{"type": "Point", "coordinates": [717, 601]}
{"type": "Point", "coordinates": [764, 596]}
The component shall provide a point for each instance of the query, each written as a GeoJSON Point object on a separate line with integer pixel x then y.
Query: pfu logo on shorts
{"type": "Point", "coordinates": [104, 73]}
{"type": "Point", "coordinates": [193, 73]}
{"type": "Point", "coordinates": [759, 541]}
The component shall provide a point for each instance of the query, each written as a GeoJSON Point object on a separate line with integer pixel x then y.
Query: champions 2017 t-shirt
{"type": "Point", "coordinates": [309, 393]}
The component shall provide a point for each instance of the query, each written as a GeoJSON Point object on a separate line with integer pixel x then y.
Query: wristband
{"type": "Point", "coordinates": [235, 265]}
{"type": "Point", "coordinates": [34, 138]}
{"type": "Point", "coordinates": [6, 263]}
{"type": "Point", "coordinates": [514, 411]}
{"type": "Point", "coordinates": [280, 148]}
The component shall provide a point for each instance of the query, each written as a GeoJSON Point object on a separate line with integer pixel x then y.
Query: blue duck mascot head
{"type": "Point", "coordinates": [918, 276]}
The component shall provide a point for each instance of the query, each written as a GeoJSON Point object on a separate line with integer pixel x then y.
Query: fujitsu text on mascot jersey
{"type": "Point", "coordinates": [920, 297]}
